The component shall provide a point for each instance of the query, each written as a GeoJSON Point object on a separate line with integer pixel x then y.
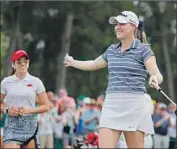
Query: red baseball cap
{"type": "Point", "coordinates": [18, 54]}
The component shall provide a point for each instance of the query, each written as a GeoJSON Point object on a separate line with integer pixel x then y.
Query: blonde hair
{"type": "Point", "coordinates": [144, 40]}
{"type": "Point", "coordinates": [141, 35]}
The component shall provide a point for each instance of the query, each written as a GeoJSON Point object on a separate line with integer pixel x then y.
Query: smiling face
{"type": "Point", "coordinates": [124, 30]}
{"type": "Point", "coordinates": [21, 65]}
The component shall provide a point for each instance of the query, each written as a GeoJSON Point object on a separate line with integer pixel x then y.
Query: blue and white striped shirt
{"type": "Point", "coordinates": [127, 72]}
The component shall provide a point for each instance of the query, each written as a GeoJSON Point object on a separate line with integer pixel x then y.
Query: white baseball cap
{"type": "Point", "coordinates": [86, 100]}
{"type": "Point", "coordinates": [162, 105]}
{"type": "Point", "coordinates": [125, 17]}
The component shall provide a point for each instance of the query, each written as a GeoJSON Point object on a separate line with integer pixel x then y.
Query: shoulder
{"type": "Point", "coordinates": [34, 78]}
{"type": "Point", "coordinates": [112, 46]}
{"type": "Point", "coordinates": [7, 79]}
{"type": "Point", "coordinates": [143, 46]}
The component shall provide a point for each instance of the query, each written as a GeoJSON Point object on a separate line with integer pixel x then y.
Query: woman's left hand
{"type": "Point", "coordinates": [25, 110]}
{"type": "Point", "coordinates": [153, 81]}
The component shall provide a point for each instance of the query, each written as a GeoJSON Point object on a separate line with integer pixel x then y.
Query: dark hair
{"type": "Point", "coordinates": [140, 34]}
{"type": "Point", "coordinates": [13, 71]}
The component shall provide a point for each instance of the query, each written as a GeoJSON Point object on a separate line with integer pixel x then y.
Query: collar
{"type": "Point", "coordinates": [134, 44]}
{"type": "Point", "coordinates": [27, 77]}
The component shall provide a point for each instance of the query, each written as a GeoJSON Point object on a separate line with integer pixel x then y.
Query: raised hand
{"type": "Point", "coordinates": [68, 60]}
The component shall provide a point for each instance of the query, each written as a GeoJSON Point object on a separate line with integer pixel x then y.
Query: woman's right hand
{"type": "Point", "coordinates": [68, 60]}
{"type": "Point", "coordinates": [13, 111]}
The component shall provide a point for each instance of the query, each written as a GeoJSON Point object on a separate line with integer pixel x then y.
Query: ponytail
{"type": "Point", "coordinates": [141, 35]}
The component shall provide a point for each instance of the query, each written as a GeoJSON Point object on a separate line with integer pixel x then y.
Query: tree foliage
{"type": "Point", "coordinates": [42, 27]}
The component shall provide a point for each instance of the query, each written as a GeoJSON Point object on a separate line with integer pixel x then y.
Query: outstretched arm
{"type": "Point", "coordinates": [89, 65]}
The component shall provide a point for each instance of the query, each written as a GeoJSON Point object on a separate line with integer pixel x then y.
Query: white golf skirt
{"type": "Point", "coordinates": [127, 112]}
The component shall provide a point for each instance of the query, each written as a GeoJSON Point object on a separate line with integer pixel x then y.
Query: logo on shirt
{"type": "Point", "coordinates": [29, 85]}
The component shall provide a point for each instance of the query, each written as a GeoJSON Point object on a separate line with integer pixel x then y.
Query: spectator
{"type": "Point", "coordinates": [161, 123]}
{"type": "Point", "coordinates": [68, 118]}
{"type": "Point", "coordinates": [86, 102]}
{"type": "Point", "coordinates": [91, 118]}
{"type": "Point", "coordinates": [52, 99]}
{"type": "Point", "coordinates": [58, 127]}
{"type": "Point", "coordinates": [172, 127]}
{"type": "Point", "coordinates": [45, 130]}
{"type": "Point", "coordinates": [100, 100]}
{"type": "Point", "coordinates": [65, 99]}
{"type": "Point", "coordinates": [80, 100]}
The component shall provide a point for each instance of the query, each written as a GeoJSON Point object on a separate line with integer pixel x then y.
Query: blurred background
{"type": "Point", "coordinates": [49, 30]}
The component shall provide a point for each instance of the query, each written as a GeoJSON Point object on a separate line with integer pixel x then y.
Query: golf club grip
{"type": "Point", "coordinates": [160, 90]}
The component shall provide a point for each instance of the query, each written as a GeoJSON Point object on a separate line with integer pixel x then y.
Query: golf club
{"type": "Point", "coordinates": [162, 92]}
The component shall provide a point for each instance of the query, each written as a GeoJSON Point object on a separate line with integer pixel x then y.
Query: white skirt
{"type": "Point", "coordinates": [127, 112]}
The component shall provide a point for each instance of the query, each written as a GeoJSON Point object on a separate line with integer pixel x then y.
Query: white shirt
{"type": "Point", "coordinates": [21, 92]}
{"type": "Point", "coordinates": [172, 128]}
{"type": "Point", "coordinates": [45, 123]}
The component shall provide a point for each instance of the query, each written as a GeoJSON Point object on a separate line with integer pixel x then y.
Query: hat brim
{"type": "Point", "coordinates": [18, 56]}
{"type": "Point", "coordinates": [118, 19]}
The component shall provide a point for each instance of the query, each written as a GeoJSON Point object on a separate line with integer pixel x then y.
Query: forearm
{"type": "Point", "coordinates": [84, 65]}
{"type": "Point", "coordinates": [159, 77]}
{"type": "Point", "coordinates": [40, 109]}
{"type": "Point", "coordinates": [159, 123]}
{"type": "Point", "coordinates": [89, 121]}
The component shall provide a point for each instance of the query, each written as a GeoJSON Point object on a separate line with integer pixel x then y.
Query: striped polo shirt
{"type": "Point", "coordinates": [21, 92]}
{"type": "Point", "coordinates": [127, 72]}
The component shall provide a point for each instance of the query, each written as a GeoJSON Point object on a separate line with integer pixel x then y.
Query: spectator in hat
{"type": "Point", "coordinates": [161, 121]}
{"type": "Point", "coordinates": [172, 127]}
{"type": "Point", "coordinates": [90, 117]}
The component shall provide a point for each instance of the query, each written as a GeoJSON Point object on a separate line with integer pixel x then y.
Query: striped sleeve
{"type": "Point", "coordinates": [105, 53]}
{"type": "Point", "coordinates": [105, 56]}
{"type": "Point", "coordinates": [146, 52]}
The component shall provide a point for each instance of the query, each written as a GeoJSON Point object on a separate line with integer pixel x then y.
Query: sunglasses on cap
{"type": "Point", "coordinates": [123, 14]}
{"type": "Point", "coordinates": [126, 16]}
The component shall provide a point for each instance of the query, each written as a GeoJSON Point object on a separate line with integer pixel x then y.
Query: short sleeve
{"type": "Point", "coordinates": [3, 89]}
{"type": "Point", "coordinates": [146, 52]}
{"type": "Point", "coordinates": [105, 54]}
{"type": "Point", "coordinates": [40, 86]}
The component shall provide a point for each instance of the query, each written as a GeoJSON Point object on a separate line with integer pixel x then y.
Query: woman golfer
{"type": "Point", "coordinates": [128, 63]}
{"type": "Point", "coordinates": [21, 90]}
